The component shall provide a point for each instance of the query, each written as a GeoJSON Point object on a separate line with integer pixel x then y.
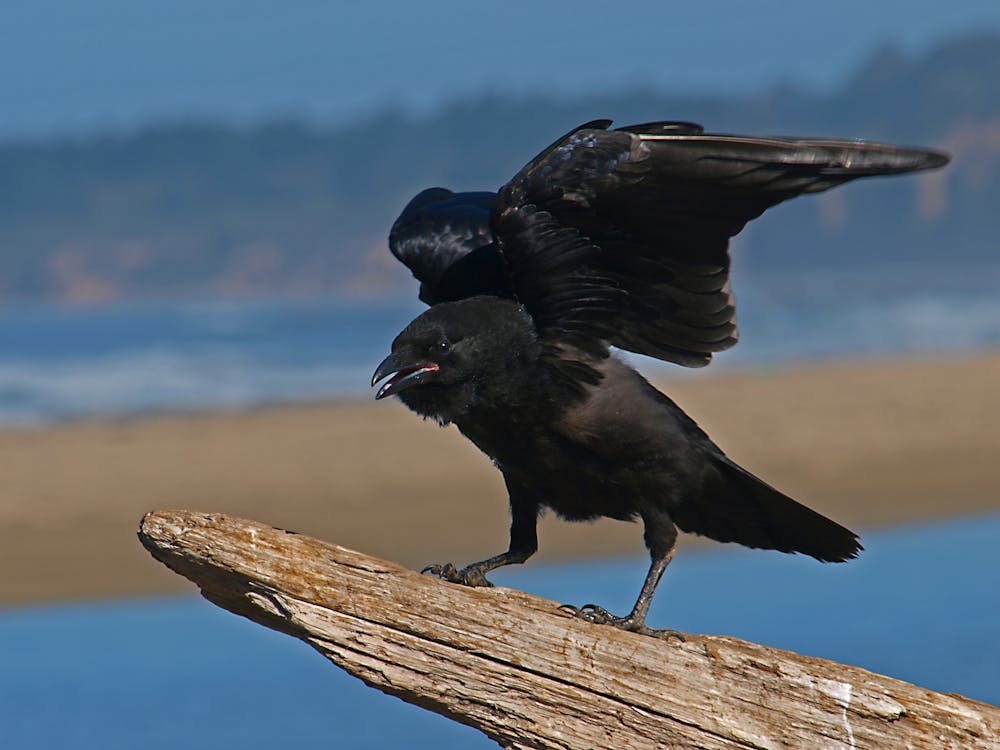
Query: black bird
{"type": "Point", "coordinates": [608, 238]}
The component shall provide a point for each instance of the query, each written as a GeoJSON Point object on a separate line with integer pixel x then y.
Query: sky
{"type": "Point", "coordinates": [70, 68]}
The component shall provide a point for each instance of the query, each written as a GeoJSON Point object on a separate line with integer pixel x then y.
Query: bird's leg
{"type": "Point", "coordinates": [660, 536]}
{"type": "Point", "coordinates": [523, 543]}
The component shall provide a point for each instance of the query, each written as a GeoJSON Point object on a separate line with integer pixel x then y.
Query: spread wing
{"type": "Point", "coordinates": [621, 236]}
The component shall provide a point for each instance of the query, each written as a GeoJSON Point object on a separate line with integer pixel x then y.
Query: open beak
{"type": "Point", "coordinates": [400, 377]}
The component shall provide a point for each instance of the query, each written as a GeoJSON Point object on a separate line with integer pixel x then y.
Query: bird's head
{"type": "Point", "coordinates": [456, 354]}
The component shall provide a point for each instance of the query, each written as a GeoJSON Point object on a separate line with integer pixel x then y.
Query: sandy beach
{"type": "Point", "coordinates": [868, 443]}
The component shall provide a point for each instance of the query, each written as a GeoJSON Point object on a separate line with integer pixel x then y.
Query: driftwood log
{"type": "Point", "coordinates": [530, 676]}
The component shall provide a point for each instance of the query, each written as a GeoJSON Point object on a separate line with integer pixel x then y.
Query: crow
{"type": "Point", "coordinates": [607, 239]}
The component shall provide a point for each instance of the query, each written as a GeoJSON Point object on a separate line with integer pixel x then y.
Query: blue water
{"type": "Point", "coordinates": [65, 363]}
{"type": "Point", "coordinates": [921, 604]}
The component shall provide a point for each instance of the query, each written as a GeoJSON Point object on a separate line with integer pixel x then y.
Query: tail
{"type": "Point", "coordinates": [736, 506]}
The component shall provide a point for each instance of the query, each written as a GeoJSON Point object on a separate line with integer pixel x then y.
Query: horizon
{"type": "Point", "coordinates": [120, 68]}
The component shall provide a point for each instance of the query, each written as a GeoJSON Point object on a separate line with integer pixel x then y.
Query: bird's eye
{"type": "Point", "coordinates": [443, 346]}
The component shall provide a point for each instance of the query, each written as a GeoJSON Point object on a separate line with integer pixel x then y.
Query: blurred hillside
{"type": "Point", "coordinates": [197, 210]}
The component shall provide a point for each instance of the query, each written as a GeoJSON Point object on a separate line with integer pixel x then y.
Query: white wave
{"type": "Point", "coordinates": [36, 393]}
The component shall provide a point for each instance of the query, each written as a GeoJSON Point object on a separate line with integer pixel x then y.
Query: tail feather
{"type": "Point", "coordinates": [736, 506]}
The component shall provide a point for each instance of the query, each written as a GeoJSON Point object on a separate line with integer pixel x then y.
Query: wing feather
{"type": "Point", "coordinates": [444, 238]}
{"type": "Point", "coordinates": [621, 237]}
{"type": "Point", "coordinates": [641, 218]}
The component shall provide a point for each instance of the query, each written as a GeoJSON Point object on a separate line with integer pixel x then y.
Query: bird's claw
{"type": "Point", "coordinates": [600, 616]}
{"type": "Point", "coordinates": [446, 571]}
{"type": "Point", "coordinates": [468, 576]}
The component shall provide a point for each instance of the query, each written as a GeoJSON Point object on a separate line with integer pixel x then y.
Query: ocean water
{"type": "Point", "coordinates": [921, 604]}
{"type": "Point", "coordinates": [60, 363]}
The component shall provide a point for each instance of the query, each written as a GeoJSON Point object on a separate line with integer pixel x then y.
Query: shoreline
{"type": "Point", "coordinates": [870, 443]}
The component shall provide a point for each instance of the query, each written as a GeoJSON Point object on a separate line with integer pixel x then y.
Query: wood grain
{"type": "Point", "coordinates": [530, 676]}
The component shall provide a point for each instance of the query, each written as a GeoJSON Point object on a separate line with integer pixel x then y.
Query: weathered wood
{"type": "Point", "coordinates": [530, 676]}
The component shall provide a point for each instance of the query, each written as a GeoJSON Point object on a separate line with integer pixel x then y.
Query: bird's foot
{"type": "Point", "coordinates": [471, 575]}
{"type": "Point", "coordinates": [600, 616]}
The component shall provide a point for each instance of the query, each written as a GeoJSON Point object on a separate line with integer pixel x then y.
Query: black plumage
{"type": "Point", "coordinates": [608, 238]}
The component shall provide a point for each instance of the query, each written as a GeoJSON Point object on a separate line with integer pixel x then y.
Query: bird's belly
{"type": "Point", "coordinates": [579, 484]}
{"type": "Point", "coordinates": [585, 492]}
{"type": "Point", "coordinates": [583, 480]}
{"type": "Point", "coordinates": [584, 499]}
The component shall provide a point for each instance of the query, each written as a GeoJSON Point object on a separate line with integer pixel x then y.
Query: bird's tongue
{"type": "Point", "coordinates": [402, 378]}
{"type": "Point", "coordinates": [408, 371]}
